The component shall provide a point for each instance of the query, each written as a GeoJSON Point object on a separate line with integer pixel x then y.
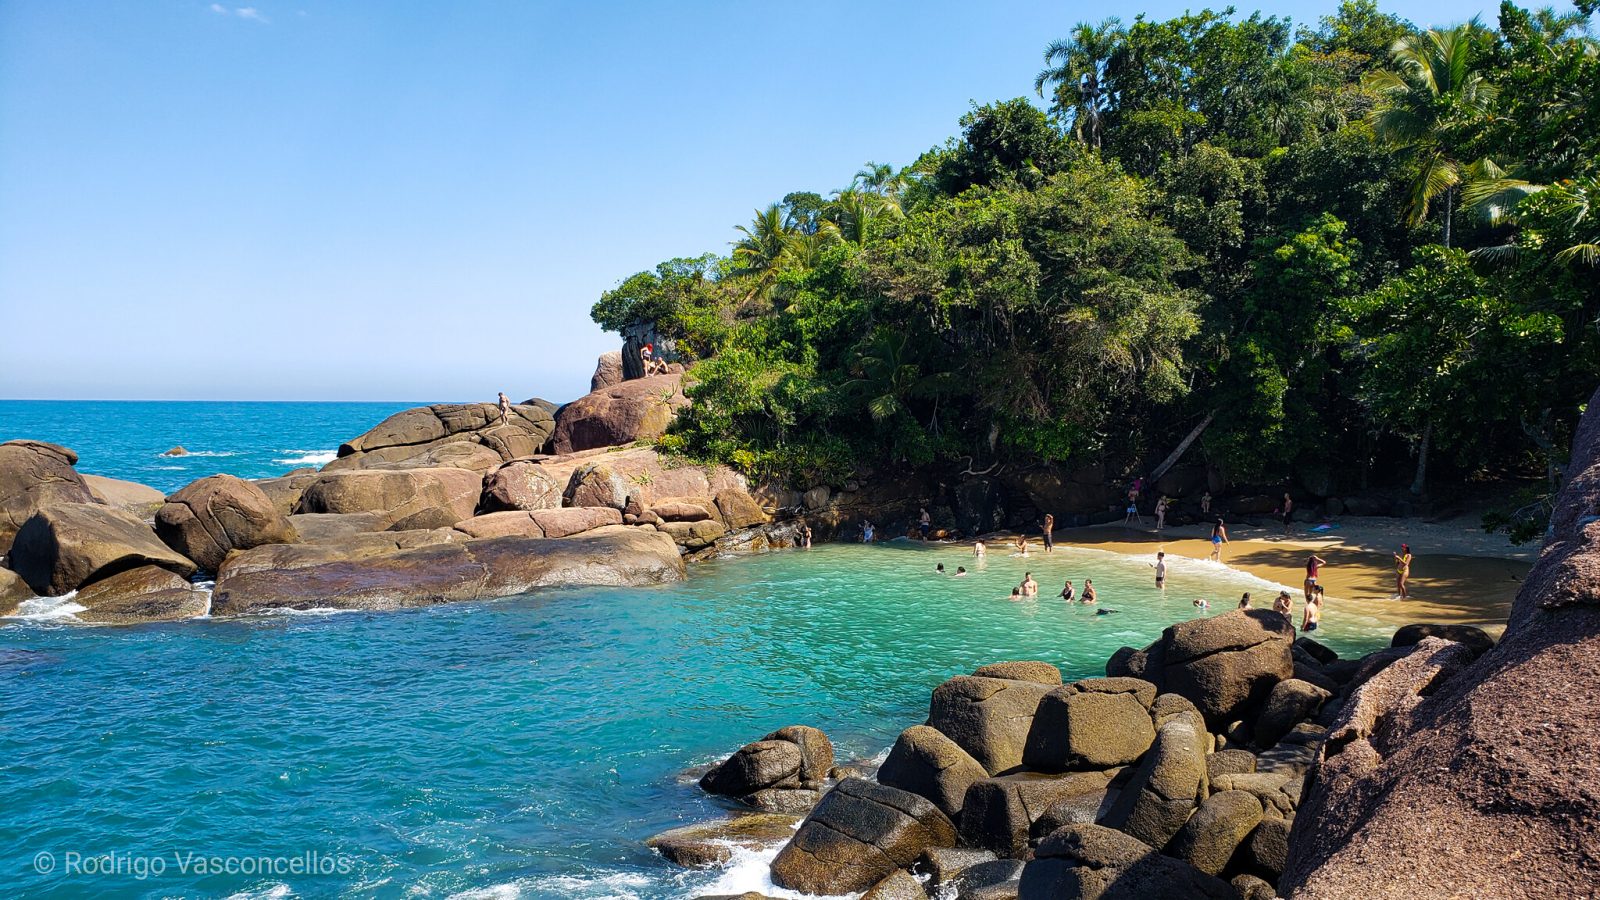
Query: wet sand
{"type": "Point", "coordinates": [1457, 575]}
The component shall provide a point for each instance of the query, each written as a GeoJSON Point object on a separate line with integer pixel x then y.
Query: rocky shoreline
{"type": "Point", "coordinates": [1227, 760]}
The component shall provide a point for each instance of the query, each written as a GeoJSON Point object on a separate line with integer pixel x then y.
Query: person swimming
{"type": "Point", "coordinates": [939, 568]}
{"type": "Point", "coordinates": [1088, 592]}
{"type": "Point", "coordinates": [1202, 603]}
{"type": "Point", "coordinates": [1067, 593]}
{"type": "Point", "coordinates": [1016, 594]}
{"type": "Point", "coordinates": [960, 571]}
{"type": "Point", "coordinates": [1030, 588]}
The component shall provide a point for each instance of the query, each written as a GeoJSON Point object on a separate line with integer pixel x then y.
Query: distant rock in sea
{"type": "Point", "coordinates": [176, 451]}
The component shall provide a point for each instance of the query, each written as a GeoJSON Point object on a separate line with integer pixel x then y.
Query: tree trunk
{"type": "Point", "coordinates": [1174, 456]}
{"type": "Point", "coordinates": [1421, 480]}
{"type": "Point", "coordinates": [1449, 208]}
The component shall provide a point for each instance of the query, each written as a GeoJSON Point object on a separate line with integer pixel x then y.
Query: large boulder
{"type": "Point", "coordinates": [693, 535]}
{"type": "Point", "coordinates": [13, 592]}
{"type": "Point", "coordinates": [1290, 702]}
{"type": "Point", "coordinates": [544, 523]}
{"type": "Point", "coordinates": [999, 813]}
{"type": "Point", "coordinates": [1227, 664]}
{"type": "Point", "coordinates": [145, 594]}
{"type": "Point", "coordinates": [1091, 862]}
{"type": "Point", "coordinates": [619, 556]}
{"type": "Point", "coordinates": [1096, 723]}
{"type": "Point", "coordinates": [857, 836]}
{"type": "Point", "coordinates": [460, 435]}
{"type": "Point", "coordinates": [925, 762]}
{"type": "Point", "coordinates": [408, 499]}
{"type": "Point", "coordinates": [637, 410]}
{"type": "Point", "coordinates": [140, 499]}
{"type": "Point", "coordinates": [34, 475]}
{"type": "Point", "coordinates": [611, 477]}
{"type": "Point", "coordinates": [344, 548]}
{"type": "Point", "coordinates": [67, 545]}
{"type": "Point", "coordinates": [988, 717]}
{"type": "Point", "coordinates": [219, 513]}
{"type": "Point", "coordinates": [607, 371]}
{"type": "Point", "coordinates": [321, 528]}
{"type": "Point", "coordinates": [738, 509]}
{"type": "Point", "coordinates": [1023, 670]}
{"type": "Point", "coordinates": [524, 484]}
{"type": "Point", "coordinates": [1166, 787]}
{"type": "Point", "coordinates": [796, 757]}
{"type": "Point", "coordinates": [284, 491]}
{"type": "Point", "coordinates": [1475, 639]}
{"type": "Point", "coordinates": [710, 844]}
{"type": "Point", "coordinates": [1476, 780]}
{"type": "Point", "coordinates": [1208, 840]}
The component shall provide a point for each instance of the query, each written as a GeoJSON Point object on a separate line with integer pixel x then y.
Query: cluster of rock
{"type": "Point", "coordinates": [1178, 775]}
{"type": "Point", "coordinates": [434, 504]}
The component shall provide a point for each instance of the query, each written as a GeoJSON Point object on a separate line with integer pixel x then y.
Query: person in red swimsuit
{"type": "Point", "coordinates": [1313, 569]}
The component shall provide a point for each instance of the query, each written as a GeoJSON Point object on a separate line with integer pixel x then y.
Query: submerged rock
{"type": "Point", "coordinates": [711, 844]}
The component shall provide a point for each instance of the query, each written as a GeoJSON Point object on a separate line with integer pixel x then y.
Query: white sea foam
{"type": "Point", "coordinates": [307, 457]}
{"type": "Point", "coordinates": [268, 892]}
{"type": "Point", "coordinates": [749, 870]}
{"type": "Point", "coordinates": [47, 609]}
{"type": "Point", "coordinates": [608, 886]}
{"type": "Point", "coordinates": [205, 453]}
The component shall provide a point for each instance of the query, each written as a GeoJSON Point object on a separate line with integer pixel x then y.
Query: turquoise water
{"type": "Point", "coordinates": [517, 749]}
{"type": "Point", "coordinates": [121, 439]}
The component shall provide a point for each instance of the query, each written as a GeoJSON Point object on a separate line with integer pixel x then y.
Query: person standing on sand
{"type": "Point", "coordinates": [1088, 592]}
{"type": "Point", "coordinates": [1219, 536]}
{"type": "Point", "coordinates": [1161, 570]}
{"type": "Point", "coordinates": [924, 523]}
{"type": "Point", "coordinates": [505, 409]}
{"type": "Point", "coordinates": [1066, 592]}
{"type": "Point", "coordinates": [1288, 512]}
{"type": "Point", "coordinates": [1314, 566]}
{"type": "Point", "coordinates": [1402, 571]}
{"type": "Point", "coordinates": [1161, 513]}
{"type": "Point", "coordinates": [1049, 533]}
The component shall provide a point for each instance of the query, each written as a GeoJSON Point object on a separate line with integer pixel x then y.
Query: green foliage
{"type": "Point", "coordinates": [1217, 218]}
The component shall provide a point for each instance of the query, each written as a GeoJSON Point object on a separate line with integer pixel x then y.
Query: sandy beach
{"type": "Point", "coordinates": [1460, 574]}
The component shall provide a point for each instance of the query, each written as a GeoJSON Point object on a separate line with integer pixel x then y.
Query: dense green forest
{"type": "Point", "coordinates": [1363, 247]}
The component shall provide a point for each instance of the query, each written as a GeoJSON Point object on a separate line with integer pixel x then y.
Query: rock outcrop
{"type": "Point", "coordinates": [460, 435]}
{"type": "Point", "coordinates": [607, 371]}
{"type": "Point", "coordinates": [524, 484]}
{"type": "Point", "coordinates": [13, 592]}
{"type": "Point", "coordinates": [794, 758]}
{"type": "Point", "coordinates": [408, 499]}
{"type": "Point", "coordinates": [989, 717]}
{"type": "Point", "coordinates": [1227, 664]}
{"type": "Point", "coordinates": [217, 514]}
{"type": "Point", "coordinates": [629, 411]}
{"type": "Point", "coordinates": [34, 475]}
{"type": "Point", "coordinates": [619, 556]}
{"type": "Point", "coordinates": [65, 546]}
{"type": "Point", "coordinates": [1096, 723]}
{"type": "Point", "coordinates": [925, 762]}
{"type": "Point", "coordinates": [709, 844]}
{"type": "Point", "coordinates": [858, 835]}
{"type": "Point", "coordinates": [145, 594]}
{"type": "Point", "coordinates": [1165, 789]}
{"type": "Point", "coordinates": [541, 523]}
{"type": "Point", "coordinates": [1484, 782]}
{"type": "Point", "coordinates": [1096, 863]}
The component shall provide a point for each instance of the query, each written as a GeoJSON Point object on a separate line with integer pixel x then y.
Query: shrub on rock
{"type": "Point", "coordinates": [217, 514]}
{"type": "Point", "coordinates": [65, 546]}
{"type": "Point", "coordinates": [858, 835]}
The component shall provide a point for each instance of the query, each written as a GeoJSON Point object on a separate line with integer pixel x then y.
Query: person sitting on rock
{"type": "Point", "coordinates": [652, 365]}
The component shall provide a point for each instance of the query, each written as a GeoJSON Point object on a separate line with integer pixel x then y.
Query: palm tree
{"type": "Point", "coordinates": [1567, 204]}
{"type": "Point", "coordinates": [880, 179]}
{"type": "Point", "coordinates": [1077, 69]}
{"type": "Point", "coordinates": [764, 248]}
{"type": "Point", "coordinates": [1426, 103]}
{"type": "Point", "coordinates": [885, 375]}
{"type": "Point", "coordinates": [859, 216]}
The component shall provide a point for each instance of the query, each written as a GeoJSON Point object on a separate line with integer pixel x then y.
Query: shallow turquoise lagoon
{"type": "Point", "coordinates": [520, 748]}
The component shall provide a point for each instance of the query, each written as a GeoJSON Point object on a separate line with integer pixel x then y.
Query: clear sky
{"type": "Point", "coordinates": [397, 200]}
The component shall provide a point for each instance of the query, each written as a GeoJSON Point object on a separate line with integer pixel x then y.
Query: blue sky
{"type": "Point", "coordinates": [420, 201]}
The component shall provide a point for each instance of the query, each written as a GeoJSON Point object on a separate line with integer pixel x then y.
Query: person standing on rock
{"type": "Point", "coordinates": [1049, 532]}
{"type": "Point", "coordinates": [505, 409]}
{"type": "Point", "coordinates": [1205, 504]}
{"type": "Point", "coordinates": [1402, 571]}
{"type": "Point", "coordinates": [1288, 512]}
{"type": "Point", "coordinates": [1219, 536]}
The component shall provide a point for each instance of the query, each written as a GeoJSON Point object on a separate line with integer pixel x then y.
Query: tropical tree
{"type": "Point", "coordinates": [859, 216]}
{"type": "Point", "coordinates": [1075, 70]}
{"type": "Point", "coordinates": [880, 179]}
{"type": "Point", "coordinates": [1428, 104]}
{"type": "Point", "coordinates": [764, 248]}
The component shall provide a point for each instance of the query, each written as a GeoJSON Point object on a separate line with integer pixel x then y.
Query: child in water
{"type": "Point", "coordinates": [960, 571]}
{"type": "Point", "coordinates": [1202, 603]}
